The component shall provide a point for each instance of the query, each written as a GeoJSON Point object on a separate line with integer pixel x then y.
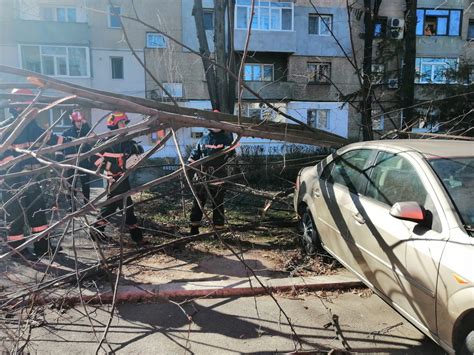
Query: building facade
{"type": "Point", "coordinates": [301, 57]}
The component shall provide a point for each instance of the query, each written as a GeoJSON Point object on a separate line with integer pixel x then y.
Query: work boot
{"type": "Point", "coordinates": [194, 230]}
{"type": "Point", "coordinates": [41, 247]}
{"type": "Point", "coordinates": [136, 235]}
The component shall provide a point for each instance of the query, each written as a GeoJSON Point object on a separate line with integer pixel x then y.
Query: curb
{"type": "Point", "coordinates": [218, 289]}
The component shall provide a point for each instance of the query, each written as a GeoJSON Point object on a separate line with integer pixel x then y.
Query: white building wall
{"type": "Point", "coordinates": [338, 116]}
{"type": "Point", "coordinates": [132, 84]}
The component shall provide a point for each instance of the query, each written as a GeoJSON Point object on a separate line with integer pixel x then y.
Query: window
{"type": "Point", "coordinates": [378, 120]}
{"type": "Point", "coordinates": [117, 67]}
{"type": "Point", "coordinates": [320, 25]}
{"type": "Point", "coordinates": [175, 89]}
{"type": "Point", "coordinates": [393, 179]}
{"type": "Point", "coordinates": [440, 22]}
{"type": "Point", "coordinates": [268, 16]}
{"type": "Point", "coordinates": [434, 70]}
{"type": "Point", "coordinates": [56, 113]}
{"type": "Point", "coordinates": [114, 19]}
{"type": "Point", "coordinates": [258, 72]}
{"type": "Point", "coordinates": [349, 170]}
{"type": "Point", "coordinates": [470, 31]}
{"type": "Point", "coordinates": [59, 14]}
{"type": "Point", "coordinates": [318, 118]}
{"type": "Point", "coordinates": [208, 15]}
{"type": "Point", "coordinates": [155, 40]}
{"type": "Point", "coordinates": [55, 60]}
{"type": "Point", "coordinates": [319, 72]}
{"type": "Point", "coordinates": [261, 112]}
{"type": "Point", "coordinates": [378, 74]}
{"type": "Point", "coordinates": [380, 27]}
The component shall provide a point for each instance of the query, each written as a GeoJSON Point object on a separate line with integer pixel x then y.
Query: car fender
{"type": "Point", "coordinates": [459, 304]}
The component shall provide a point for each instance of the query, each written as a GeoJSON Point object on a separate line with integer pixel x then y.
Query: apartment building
{"type": "Point", "coordinates": [79, 41]}
{"type": "Point", "coordinates": [444, 42]}
{"type": "Point", "coordinates": [294, 62]}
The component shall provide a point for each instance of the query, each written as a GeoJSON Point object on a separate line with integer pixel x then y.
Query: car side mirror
{"type": "Point", "coordinates": [409, 211]}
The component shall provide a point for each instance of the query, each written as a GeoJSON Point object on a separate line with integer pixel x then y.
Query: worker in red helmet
{"type": "Point", "coordinates": [80, 128]}
{"type": "Point", "coordinates": [114, 161]}
{"type": "Point", "coordinates": [22, 196]}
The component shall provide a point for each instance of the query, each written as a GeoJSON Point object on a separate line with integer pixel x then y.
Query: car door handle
{"type": "Point", "coordinates": [358, 218]}
{"type": "Point", "coordinates": [316, 192]}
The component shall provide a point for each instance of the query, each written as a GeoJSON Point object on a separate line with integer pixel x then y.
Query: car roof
{"type": "Point", "coordinates": [427, 147]}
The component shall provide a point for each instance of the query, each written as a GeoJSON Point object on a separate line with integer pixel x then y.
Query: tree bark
{"type": "Point", "coordinates": [205, 53]}
{"type": "Point", "coordinates": [220, 55]}
{"type": "Point", "coordinates": [367, 92]}
{"type": "Point", "coordinates": [409, 59]}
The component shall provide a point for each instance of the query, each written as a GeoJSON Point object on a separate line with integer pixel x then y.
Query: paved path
{"type": "Point", "coordinates": [235, 325]}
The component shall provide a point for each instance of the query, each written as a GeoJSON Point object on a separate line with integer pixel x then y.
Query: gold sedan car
{"type": "Point", "coordinates": [400, 215]}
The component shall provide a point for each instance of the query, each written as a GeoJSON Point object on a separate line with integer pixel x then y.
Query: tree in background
{"type": "Point", "coordinates": [220, 82]}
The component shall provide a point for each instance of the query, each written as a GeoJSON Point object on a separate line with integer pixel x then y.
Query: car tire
{"type": "Point", "coordinates": [468, 344]}
{"type": "Point", "coordinates": [308, 234]}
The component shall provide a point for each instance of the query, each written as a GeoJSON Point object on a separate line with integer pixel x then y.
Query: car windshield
{"type": "Point", "coordinates": [457, 175]}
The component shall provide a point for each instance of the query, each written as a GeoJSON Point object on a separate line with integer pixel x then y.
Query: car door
{"type": "Point", "coordinates": [339, 184]}
{"type": "Point", "coordinates": [401, 256]}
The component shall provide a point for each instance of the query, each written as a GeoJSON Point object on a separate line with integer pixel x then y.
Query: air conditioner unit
{"type": "Point", "coordinates": [396, 27]}
{"type": "Point", "coordinates": [392, 83]}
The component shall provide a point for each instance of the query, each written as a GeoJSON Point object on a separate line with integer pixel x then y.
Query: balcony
{"type": "Point", "coordinates": [49, 32]}
{"type": "Point", "coordinates": [266, 41]}
{"type": "Point", "coordinates": [277, 90]}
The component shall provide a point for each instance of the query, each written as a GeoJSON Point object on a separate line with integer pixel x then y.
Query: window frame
{"type": "Point", "coordinates": [149, 34]}
{"type": "Point", "coordinates": [317, 66]}
{"type": "Point", "coordinates": [211, 12]}
{"type": "Point", "coordinates": [380, 118]}
{"type": "Point", "coordinates": [54, 13]}
{"type": "Point", "coordinates": [257, 7]}
{"type": "Point", "coordinates": [469, 25]}
{"type": "Point", "coordinates": [317, 118]}
{"type": "Point", "coordinates": [426, 61]}
{"type": "Point", "coordinates": [171, 90]}
{"type": "Point", "coordinates": [110, 15]}
{"type": "Point", "coordinates": [112, 58]}
{"type": "Point", "coordinates": [262, 71]}
{"type": "Point", "coordinates": [448, 23]}
{"type": "Point", "coordinates": [321, 23]}
{"type": "Point", "coordinates": [40, 47]}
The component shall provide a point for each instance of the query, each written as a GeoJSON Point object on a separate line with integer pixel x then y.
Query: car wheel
{"type": "Point", "coordinates": [309, 237]}
{"type": "Point", "coordinates": [468, 344]}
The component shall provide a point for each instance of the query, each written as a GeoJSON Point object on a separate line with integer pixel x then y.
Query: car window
{"type": "Point", "coordinates": [348, 170]}
{"type": "Point", "coordinates": [393, 179]}
{"type": "Point", "coordinates": [457, 176]}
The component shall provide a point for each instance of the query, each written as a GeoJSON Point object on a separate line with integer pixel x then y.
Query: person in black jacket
{"type": "Point", "coordinates": [80, 128]}
{"type": "Point", "coordinates": [113, 160]}
{"type": "Point", "coordinates": [22, 196]}
{"type": "Point", "coordinates": [211, 143]}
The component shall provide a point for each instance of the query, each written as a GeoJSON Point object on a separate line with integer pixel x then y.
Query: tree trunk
{"type": "Point", "coordinates": [409, 59]}
{"type": "Point", "coordinates": [205, 52]}
{"type": "Point", "coordinates": [220, 55]}
{"type": "Point", "coordinates": [367, 92]}
{"type": "Point", "coordinates": [231, 55]}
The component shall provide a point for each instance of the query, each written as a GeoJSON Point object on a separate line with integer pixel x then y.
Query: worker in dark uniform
{"type": "Point", "coordinates": [80, 128]}
{"type": "Point", "coordinates": [26, 205]}
{"type": "Point", "coordinates": [212, 142]}
{"type": "Point", "coordinates": [113, 161]}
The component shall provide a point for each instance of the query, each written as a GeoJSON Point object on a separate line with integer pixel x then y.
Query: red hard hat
{"type": "Point", "coordinates": [22, 92]}
{"type": "Point", "coordinates": [115, 117]}
{"type": "Point", "coordinates": [77, 116]}
{"type": "Point", "coordinates": [16, 91]}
